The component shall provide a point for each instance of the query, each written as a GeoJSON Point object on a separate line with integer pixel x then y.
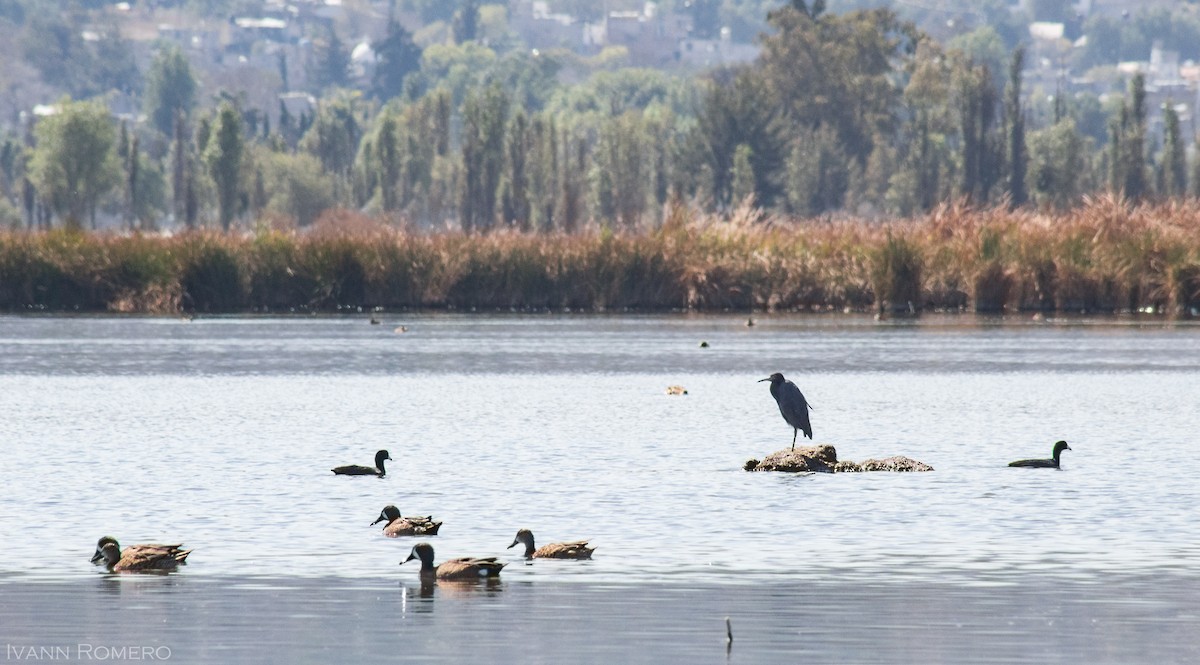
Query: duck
{"type": "Point", "coordinates": [676, 390]}
{"type": "Point", "coordinates": [394, 525]}
{"type": "Point", "coordinates": [1044, 463]}
{"type": "Point", "coordinates": [138, 558]}
{"type": "Point", "coordinates": [573, 550]}
{"type": "Point", "coordinates": [453, 569]}
{"type": "Point", "coordinates": [359, 470]}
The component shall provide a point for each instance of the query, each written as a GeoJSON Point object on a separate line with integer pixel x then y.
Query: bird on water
{"type": "Point", "coordinates": [460, 568]}
{"type": "Point", "coordinates": [577, 549]}
{"type": "Point", "coordinates": [138, 558]}
{"type": "Point", "coordinates": [360, 470]}
{"type": "Point", "coordinates": [792, 405]}
{"type": "Point", "coordinates": [394, 525]}
{"type": "Point", "coordinates": [1044, 463]}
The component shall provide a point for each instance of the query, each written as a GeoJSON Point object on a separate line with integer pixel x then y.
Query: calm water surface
{"type": "Point", "coordinates": [220, 433]}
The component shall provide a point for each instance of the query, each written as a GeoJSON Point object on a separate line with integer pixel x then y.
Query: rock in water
{"type": "Point", "coordinates": [896, 463]}
{"type": "Point", "coordinates": [823, 459]}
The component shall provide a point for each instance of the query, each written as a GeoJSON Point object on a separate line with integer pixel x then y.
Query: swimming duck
{"type": "Point", "coordinates": [573, 550]}
{"type": "Point", "coordinates": [454, 569]}
{"type": "Point", "coordinates": [138, 558]}
{"type": "Point", "coordinates": [1044, 463]}
{"type": "Point", "coordinates": [359, 470]}
{"type": "Point", "coordinates": [394, 525]}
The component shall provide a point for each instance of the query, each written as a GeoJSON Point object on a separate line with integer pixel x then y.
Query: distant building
{"type": "Point", "coordinates": [650, 36]}
{"type": "Point", "coordinates": [715, 52]}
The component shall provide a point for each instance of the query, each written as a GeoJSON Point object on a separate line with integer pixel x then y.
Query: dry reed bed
{"type": "Point", "coordinates": [1104, 256]}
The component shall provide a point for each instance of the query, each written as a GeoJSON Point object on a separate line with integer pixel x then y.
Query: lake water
{"type": "Point", "coordinates": [220, 433]}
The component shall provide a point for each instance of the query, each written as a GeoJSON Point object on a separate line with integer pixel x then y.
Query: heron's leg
{"type": "Point", "coordinates": [794, 430]}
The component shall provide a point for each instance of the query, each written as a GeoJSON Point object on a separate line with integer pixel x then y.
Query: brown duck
{"type": "Point", "coordinates": [454, 569]}
{"type": "Point", "coordinates": [573, 550]}
{"type": "Point", "coordinates": [360, 470]}
{"type": "Point", "coordinates": [394, 525]}
{"type": "Point", "coordinates": [138, 558]}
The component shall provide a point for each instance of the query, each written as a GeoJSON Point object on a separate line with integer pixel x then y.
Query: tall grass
{"type": "Point", "coordinates": [1104, 256]}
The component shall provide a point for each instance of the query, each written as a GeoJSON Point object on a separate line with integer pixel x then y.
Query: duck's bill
{"type": "Point", "coordinates": [97, 557]}
{"type": "Point", "coordinates": [381, 518]}
{"type": "Point", "coordinates": [511, 546]}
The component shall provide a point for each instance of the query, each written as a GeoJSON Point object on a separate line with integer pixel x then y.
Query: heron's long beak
{"type": "Point", "coordinates": [761, 380]}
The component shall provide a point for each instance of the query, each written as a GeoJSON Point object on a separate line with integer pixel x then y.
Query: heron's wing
{"type": "Point", "coordinates": [795, 408]}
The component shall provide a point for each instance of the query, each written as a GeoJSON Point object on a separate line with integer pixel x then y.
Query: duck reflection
{"type": "Point", "coordinates": [419, 597]}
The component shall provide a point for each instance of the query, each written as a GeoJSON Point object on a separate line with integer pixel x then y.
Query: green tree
{"type": "Point", "coordinates": [1174, 162]}
{"type": "Point", "coordinates": [514, 197]}
{"type": "Point", "coordinates": [332, 62]}
{"type": "Point", "coordinates": [223, 159]}
{"type": "Point", "coordinates": [74, 159]}
{"type": "Point", "coordinates": [484, 118]}
{"type": "Point", "coordinates": [740, 112]}
{"type": "Point", "coordinates": [837, 70]}
{"type": "Point", "coordinates": [333, 138]}
{"type": "Point", "coordinates": [170, 88]}
{"type": "Point", "coordinates": [1130, 160]}
{"type": "Point", "coordinates": [1057, 165]}
{"type": "Point", "coordinates": [397, 56]}
{"type": "Point", "coordinates": [743, 175]}
{"type": "Point", "coordinates": [295, 185]}
{"type": "Point", "coordinates": [1017, 161]}
{"type": "Point", "coordinates": [977, 116]}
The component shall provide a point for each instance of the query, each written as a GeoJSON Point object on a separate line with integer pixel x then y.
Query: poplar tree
{"type": "Point", "coordinates": [1017, 154]}
{"type": "Point", "coordinates": [1174, 154]}
{"type": "Point", "coordinates": [223, 158]}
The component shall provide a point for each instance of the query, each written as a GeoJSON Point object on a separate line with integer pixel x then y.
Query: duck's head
{"type": "Point", "coordinates": [390, 514]}
{"type": "Point", "coordinates": [107, 550]}
{"type": "Point", "coordinates": [1059, 447]}
{"type": "Point", "coordinates": [422, 551]}
{"type": "Point", "coordinates": [380, 456]}
{"type": "Point", "coordinates": [775, 379]}
{"type": "Point", "coordinates": [524, 536]}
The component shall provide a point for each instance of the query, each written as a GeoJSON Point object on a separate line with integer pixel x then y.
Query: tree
{"type": "Point", "coordinates": [977, 114]}
{"type": "Point", "coordinates": [740, 112]}
{"type": "Point", "coordinates": [74, 159]}
{"type": "Point", "coordinates": [514, 198]}
{"type": "Point", "coordinates": [837, 70]}
{"type": "Point", "coordinates": [223, 158]}
{"type": "Point", "coordinates": [397, 56]}
{"type": "Point", "coordinates": [1128, 156]}
{"type": "Point", "coordinates": [332, 63]}
{"type": "Point", "coordinates": [1017, 158]}
{"type": "Point", "coordinates": [1174, 163]}
{"type": "Point", "coordinates": [484, 117]}
{"type": "Point", "coordinates": [294, 185]}
{"type": "Point", "coordinates": [170, 89]}
{"type": "Point", "coordinates": [334, 136]}
{"type": "Point", "coordinates": [1057, 165]}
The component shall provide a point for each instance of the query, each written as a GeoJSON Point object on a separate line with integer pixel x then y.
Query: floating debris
{"type": "Point", "coordinates": [676, 390]}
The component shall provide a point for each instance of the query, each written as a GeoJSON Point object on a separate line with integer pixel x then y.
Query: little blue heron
{"type": "Point", "coordinates": [792, 405]}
